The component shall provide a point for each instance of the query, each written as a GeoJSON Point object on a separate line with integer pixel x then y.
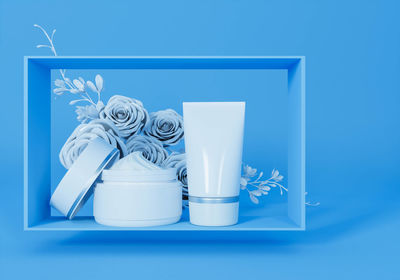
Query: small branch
{"type": "Point", "coordinates": [84, 94]}
{"type": "Point", "coordinates": [313, 204]}
{"type": "Point", "coordinates": [88, 96]}
{"type": "Point", "coordinates": [52, 48]}
{"type": "Point", "coordinates": [272, 182]}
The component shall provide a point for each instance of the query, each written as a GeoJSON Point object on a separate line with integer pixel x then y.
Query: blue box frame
{"type": "Point", "coordinates": [37, 166]}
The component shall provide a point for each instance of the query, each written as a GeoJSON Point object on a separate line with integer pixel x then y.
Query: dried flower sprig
{"type": "Point", "coordinates": [80, 86]}
{"type": "Point", "coordinates": [51, 46]}
{"type": "Point", "coordinates": [309, 203]}
{"type": "Point", "coordinates": [258, 187]}
{"type": "Point", "coordinates": [74, 86]}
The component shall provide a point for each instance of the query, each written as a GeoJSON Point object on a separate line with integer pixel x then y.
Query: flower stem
{"type": "Point", "coordinates": [85, 96]}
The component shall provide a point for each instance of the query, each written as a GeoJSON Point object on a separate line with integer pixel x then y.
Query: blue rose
{"type": "Point", "coordinates": [151, 148]}
{"type": "Point", "coordinates": [84, 134]}
{"type": "Point", "coordinates": [166, 126]}
{"type": "Point", "coordinates": [178, 161]}
{"type": "Point", "coordinates": [128, 114]}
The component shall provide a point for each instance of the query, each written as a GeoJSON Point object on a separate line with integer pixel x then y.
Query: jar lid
{"type": "Point", "coordinates": [77, 184]}
{"type": "Point", "coordinates": [139, 176]}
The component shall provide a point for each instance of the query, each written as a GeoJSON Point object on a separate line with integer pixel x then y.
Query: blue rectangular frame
{"type": "Point", "coordinates": [37, 166]}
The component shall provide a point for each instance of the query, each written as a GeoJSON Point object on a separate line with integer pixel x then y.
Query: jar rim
{"type": "Point", "coordinates": [156, 175]}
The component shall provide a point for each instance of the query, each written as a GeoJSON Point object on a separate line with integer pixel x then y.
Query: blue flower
{"type": "Point", "coordinates": [151, 148]}
{"type": "Point", "coordinates": [88, 112]}
{"type": "Point", "coordinates": [166, 126]}
{"type": "Point", "coordinates": [128, 114]}
{"type": "Point", "coordinates": [248, 171]}
{"type": "Point", "coordinates": [178, 161]}
{"type": "Point", "coordinates": [84, 134]}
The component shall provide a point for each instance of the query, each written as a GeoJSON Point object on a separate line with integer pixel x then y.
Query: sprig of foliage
{"type": "Point", "coordinates": [51, 44]}
{"type": "Point", "coordinates": [80, 86]}
{"type": "Point", "coordinates": [259, 187]}
{"type": "Point", "coordinates": [309, 203]}
{"type": "Point", "coordinates": [74, 86]}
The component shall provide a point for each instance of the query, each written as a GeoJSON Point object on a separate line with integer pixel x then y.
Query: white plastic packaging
{"type": "Point", "coordinates": [137, 194]}
{"type": "Point", "coordinates": [214, 144]}
{"type": "Point", "coordinates": [78, 183]}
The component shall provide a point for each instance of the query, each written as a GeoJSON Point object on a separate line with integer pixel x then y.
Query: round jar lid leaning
{"type": "Point", "coordinates": [77, 184]}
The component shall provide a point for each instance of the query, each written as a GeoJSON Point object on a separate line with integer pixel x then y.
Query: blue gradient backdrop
{"type": "Point", "coordinates": [353, 120]}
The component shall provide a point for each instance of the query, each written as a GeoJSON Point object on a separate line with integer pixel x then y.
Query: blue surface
{"type": "Point", "coordinates": [353, 136]}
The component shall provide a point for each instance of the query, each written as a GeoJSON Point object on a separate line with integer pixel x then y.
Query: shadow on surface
{"type": "Point", "coordinates": [333, 220]}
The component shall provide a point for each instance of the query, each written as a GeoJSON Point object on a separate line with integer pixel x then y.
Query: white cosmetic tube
{"type": "Point", "coordinates": [214, 144]}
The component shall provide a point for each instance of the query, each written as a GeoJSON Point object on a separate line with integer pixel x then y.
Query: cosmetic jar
{"type": "Point", "coordinates": [136, 193]}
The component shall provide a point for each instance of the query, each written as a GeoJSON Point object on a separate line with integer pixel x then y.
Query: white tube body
{"type": "Point", "coordinates": [214, 144]}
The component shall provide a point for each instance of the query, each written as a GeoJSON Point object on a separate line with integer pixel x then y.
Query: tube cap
{"type": "Point", "coordinates": [213, 214]}
{"type": "Point", "coordinates": [77, 184]}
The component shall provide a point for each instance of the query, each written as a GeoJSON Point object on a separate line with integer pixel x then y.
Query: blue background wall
{"type": "Point", "coordinates": [353, 59]}
{"type": "Point", "coordinates": [266, 129]}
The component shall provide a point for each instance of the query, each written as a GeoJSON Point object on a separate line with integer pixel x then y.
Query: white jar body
{"type": "Point", "coordinates": [137, 204]}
